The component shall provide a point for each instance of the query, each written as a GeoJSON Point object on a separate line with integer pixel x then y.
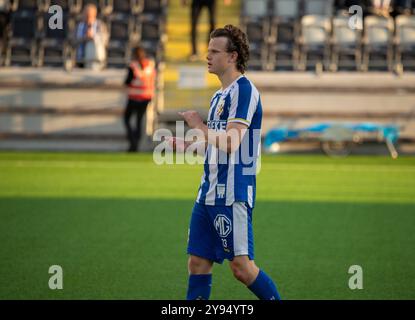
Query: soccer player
{"type": "Point", "coordinates": [221, 222]}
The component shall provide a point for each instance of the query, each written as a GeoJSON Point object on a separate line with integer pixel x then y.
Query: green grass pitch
{"type": "Point", "coordinates": [117, 224]}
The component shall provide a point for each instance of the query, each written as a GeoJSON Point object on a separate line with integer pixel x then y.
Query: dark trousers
{"type": "Point", "coordinates": [134, 133]}
{"type": "Point", "coordinates": [197, 6]}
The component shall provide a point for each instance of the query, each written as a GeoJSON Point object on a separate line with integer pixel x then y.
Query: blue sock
{"type": "Point", "coordinates": [199, 287]}
{"type": "Point", "coordinates": [264, 288]}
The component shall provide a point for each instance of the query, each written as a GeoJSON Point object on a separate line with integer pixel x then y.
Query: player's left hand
{"type": "Point", "coordinates": [192, 118]}
{"type": "Point", "coordinates": [177, 144]}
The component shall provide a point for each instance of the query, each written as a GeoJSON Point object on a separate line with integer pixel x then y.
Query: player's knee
{"type": "Point", "coordinates": [197, 265]}
{"type": "Point", "coordinates": [244, 269]}
{"type": "Point", "coordinates": [240, 271]}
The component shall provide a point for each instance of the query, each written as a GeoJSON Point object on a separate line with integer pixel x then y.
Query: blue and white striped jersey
{"type": "Point", "coordinates": [232, 177]}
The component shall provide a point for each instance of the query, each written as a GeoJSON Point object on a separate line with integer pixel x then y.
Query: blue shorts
{"type": "Point", "coordinates": [221, 232]}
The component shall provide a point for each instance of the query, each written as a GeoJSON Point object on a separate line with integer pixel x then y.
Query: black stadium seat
{"type": "Point", "coordinates": [122, 34]}
{"type": "Point", "coordinates": [255, 21]}
{"type": "Point", "coordinates": [154, 6]}
{"type": "Point", "coordinates": [22, 45]}
{"type": "Point", "coordinates": [27, 5]}
{"type": "Point", "coordinates": [54, 47]}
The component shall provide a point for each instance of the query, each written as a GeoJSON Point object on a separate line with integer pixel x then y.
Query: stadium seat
{"type": "Point", "coordinates": [284, 34]}
{"type": "Point", "coordinates": [255, 19]}
{"type": "Point", "coordinates": [346, 45]}
{"type": "Point", "coordinates": [22, 44]}
{"type": "Point", "coordinates": [315, 42]}
{"type": "Point", "coordinates": [318, 7]}
{"type": "Point", "coordinates": [121, 27]}
{"type": "Point", "coordinates": [64, 4]}
{"type": "Point", "coordinates": [129, 7]}
{"type": "Point", "coordinates": [85, 2]}
{"type": "Point", "coordinates": [122, 34]}
{"type": "Point", "coordinates": [405, 7]}
{"type": "Point", "coordinates": [28, 5]}
{"type": "Point", "coordinates": [54, 47]}
{"type": "Point", "coordinates": [68, 6]}
{"type": "Point", "coordinates": [154, 50]}
{"type": "Point", "coordinates": [151, 29]}
{"type": "Point", "coordinates": [156, 7]}
{"type": "Point", "coordinates": [5, 7]}
{"type": "Point", "coordinates": [255, 22]}
{"type": "Point", "coordinates": [378, 43]}
{"type": "Point", "coordinates": [405, 41]}
{"type": "Point", "coordinates": [118, 53]}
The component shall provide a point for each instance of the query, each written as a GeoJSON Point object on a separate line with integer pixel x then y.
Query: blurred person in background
{"type": "Point", "coordinates": [196, 8]}
{"type": "Point", "coordinates": [382, 7]}
{"type": "Point", "coordinates": [91, 39]}
{"type": "Point", "coordinates": [141, 86]}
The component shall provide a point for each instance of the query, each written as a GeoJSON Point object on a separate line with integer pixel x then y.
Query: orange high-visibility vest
{"type": "Point", "coordinates": [142, 85]}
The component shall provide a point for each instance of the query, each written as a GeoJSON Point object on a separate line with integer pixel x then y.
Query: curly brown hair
{"type": "Point", "coordinates": [237, 41]}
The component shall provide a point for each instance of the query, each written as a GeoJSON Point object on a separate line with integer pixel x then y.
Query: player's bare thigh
{"type": "Point", "coordinates": [199, 265]}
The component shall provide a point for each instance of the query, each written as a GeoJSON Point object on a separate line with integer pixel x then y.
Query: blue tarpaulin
{"type": "Point", "coordinates": [389, 133]}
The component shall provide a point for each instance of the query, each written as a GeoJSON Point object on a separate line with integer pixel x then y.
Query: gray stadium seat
{"type": "Point", "coordinates": [315, 42]}
{"type": "Point", "coordinates": [255, 22]}
{"type": "Point", "coordinates": [319, 7]}
{"type": "Point", "coordinates": [255, 19]}
{"type": "Point", "coordinates": [285, 30]}
{"type": "Point", "coordinates": [255, 8]}
{"type": "Point", "coordinates": [405, 41]}
{"type": "Point", "coordinates": [378, 43]}
{"type": "Point", "coordinates": [346, 45]}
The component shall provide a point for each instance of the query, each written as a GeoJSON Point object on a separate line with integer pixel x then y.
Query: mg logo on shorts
{"type": "Point", "coordinates": [223, 225]}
